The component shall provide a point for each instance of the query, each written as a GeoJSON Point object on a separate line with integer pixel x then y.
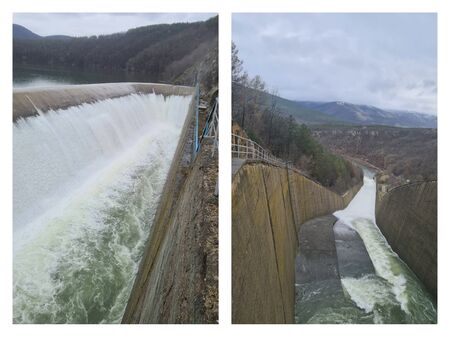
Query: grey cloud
{"type": "Point", "coordinates": [86, 24]}
{"type": "Point", "coordinates": [362, 58]}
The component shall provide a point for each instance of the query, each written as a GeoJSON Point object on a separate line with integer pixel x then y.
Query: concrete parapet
{"type": "Point", "coordinates": [27, 101]}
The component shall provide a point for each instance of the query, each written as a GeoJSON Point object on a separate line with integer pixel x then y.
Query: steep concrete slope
{"type": "Point", "coordinates": [181, 285]}
{"type": "Point", "coordinates": [177, 280]}
{"type": "Point", "coordinates": [407, 216]}
{"type": "Point", "coordinates": [269, 205]}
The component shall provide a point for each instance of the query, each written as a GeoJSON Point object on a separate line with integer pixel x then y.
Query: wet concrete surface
{"type": "Point", "coordinates": [317, 259]}
{"type": "Point", "coordinates": [329, 250]}
{"type": "Point", "coordinates": [352, 256]}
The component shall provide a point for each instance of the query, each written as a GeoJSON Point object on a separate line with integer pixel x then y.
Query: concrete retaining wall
{"type": "Point", "coordinates": [269, 206]}
{"type": "Point", "coordinates": [407, 216]}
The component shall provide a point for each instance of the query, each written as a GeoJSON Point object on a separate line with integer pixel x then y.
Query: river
{"type": "Point", "coordinates": [386, 291]}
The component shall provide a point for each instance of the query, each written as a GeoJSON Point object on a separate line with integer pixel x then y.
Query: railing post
{"type": "Point", "coordinates": [197, 101]}
{"type": "Point", "coordinates": [252, 150]}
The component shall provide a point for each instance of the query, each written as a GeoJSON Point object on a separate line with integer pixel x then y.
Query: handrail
{"type": "Point", "coordinates": [418, 182]}
{"type": "Point", "coordinates": [247, 149]}
{"type": "Point", "coordinates": [197, 101]}
{"type": "Point", "coordinates": [211, 129]}
{"type": "Point", "coordinates": [244, 148]}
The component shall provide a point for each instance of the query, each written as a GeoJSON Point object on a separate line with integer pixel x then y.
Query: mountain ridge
{"type": "Point", "coordinates": [343, 113]}
{"type": "Point", "coordinates": [363, 114]}
{"type": "Point", "coordinates": [21, 32]}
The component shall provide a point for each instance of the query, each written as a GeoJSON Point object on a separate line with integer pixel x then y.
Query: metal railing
{"type": "Point", "coordinates": [396, 187]}
{"type": "Point", "coordinates": [247, 149]}
{"type": "Point", "coordinates": [211, 129]}
{"type": "Point", "coordinates": [244, 148]}
{"type": "Point", "coordinates": [196, 142]}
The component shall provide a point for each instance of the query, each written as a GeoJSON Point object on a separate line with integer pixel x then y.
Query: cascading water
{"type": "Point", "coordinates": [392, 294]}
{"type": "Point", "coordinates": [86, 184]}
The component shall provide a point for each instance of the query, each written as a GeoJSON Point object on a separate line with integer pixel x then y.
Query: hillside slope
{"type": "Point", "coordinates": [287, 107]}
{"type": "Point", "coordinates": [164, 51]}
{"type": "Point", "coordinates": [407, 153]}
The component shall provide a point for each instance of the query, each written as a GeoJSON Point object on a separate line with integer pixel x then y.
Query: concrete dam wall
{"type": "Point", "coordinates": [269, 205]}
{"type": "Point", "coordinates": [407, 217]}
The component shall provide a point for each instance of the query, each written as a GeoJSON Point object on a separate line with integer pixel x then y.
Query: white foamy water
{"type": "Point", "coordinates": [394, 294]}
{"type": "Point", "coordinates": [86, 184]}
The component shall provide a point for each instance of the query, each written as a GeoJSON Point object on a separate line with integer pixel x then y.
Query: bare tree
{"type": "Point", "coordinates": [272, 112]}
{"type": "Point", "coordinates": [236, 64]}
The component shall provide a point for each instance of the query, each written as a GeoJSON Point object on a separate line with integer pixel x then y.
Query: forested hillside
{"type": "Point", "coordinates": [404, 153]}
{"type": "Point", "coordinates": [167, 52]}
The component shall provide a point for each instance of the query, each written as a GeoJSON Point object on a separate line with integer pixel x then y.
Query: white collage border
{"type": "Point", "coordinates": [224, 8]}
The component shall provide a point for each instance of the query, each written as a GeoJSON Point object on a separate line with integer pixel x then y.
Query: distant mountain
{"type": "Point", "coordinates": [287, 108]}
{"type": "Point", "coordinates": [20, 32]}
{"type": "Point", "coordinates": [303, 114]}
{"type": "Point", "coordinates": [343, 113]}
{"type": "Point", "coordinates": [369, 115]}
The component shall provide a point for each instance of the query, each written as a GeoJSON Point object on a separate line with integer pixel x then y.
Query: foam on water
{"type": "Point", "coordinates": [368, 291]}
{"type": "Point", "coordinates": [86, 185]}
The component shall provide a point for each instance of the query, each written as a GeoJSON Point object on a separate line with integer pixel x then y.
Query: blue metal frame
{"type": "Point", "coordinates": [197, 102]}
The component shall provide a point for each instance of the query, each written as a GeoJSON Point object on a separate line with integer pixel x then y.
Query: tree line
{"type": "Point", "coordinates": [255, 109]}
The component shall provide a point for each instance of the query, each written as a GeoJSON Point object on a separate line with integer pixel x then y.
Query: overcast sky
{"type": "Point", "coordinates": [386, 60]}
{"type": "Point", "coordinates": [83, 24]}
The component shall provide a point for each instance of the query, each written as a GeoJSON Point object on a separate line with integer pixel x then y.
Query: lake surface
{"type": "Point", "coordinates": [30, 76]}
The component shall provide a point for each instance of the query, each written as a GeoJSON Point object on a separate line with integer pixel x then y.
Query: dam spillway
{"type": "Point", "coordinates": [380, 290]}
{"type": "Point", "coordinates": [87, 180]}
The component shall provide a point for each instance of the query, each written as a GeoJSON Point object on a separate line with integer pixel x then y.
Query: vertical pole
{"type": "Point", "coordinates": [197, 101]}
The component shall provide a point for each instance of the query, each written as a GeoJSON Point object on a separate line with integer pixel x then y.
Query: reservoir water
{"type": "Point", "coordinates": [38, 76]}
{"type": "Point", "coordinates": [387, 291]}
{"type": "Point", "coordinates": [86, 184]}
